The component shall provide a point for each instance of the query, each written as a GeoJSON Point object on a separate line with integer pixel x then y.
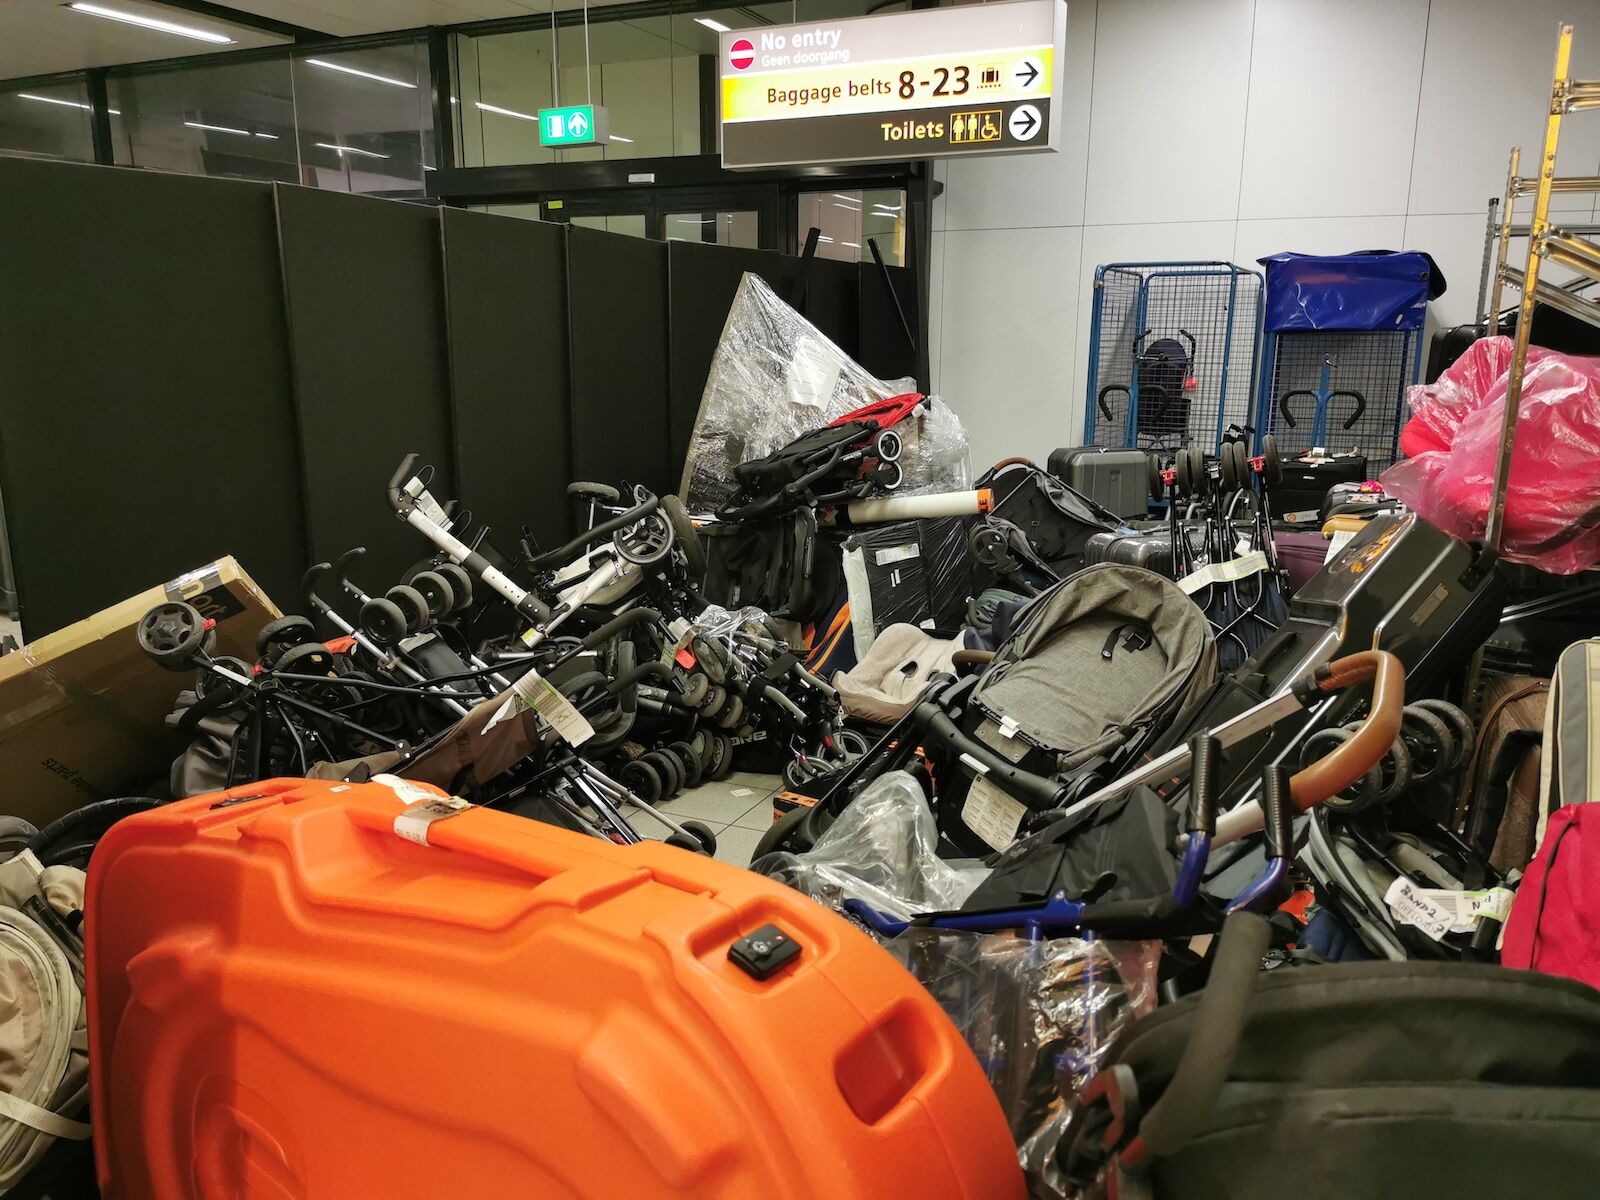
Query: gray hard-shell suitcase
{"type": "Point", "coordinates": [1118, 478]}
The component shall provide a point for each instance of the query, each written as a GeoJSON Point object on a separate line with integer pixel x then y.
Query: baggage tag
{"type": "Point", "coordinates": [425, 501]}
{"type": "Point", "coordinates": [414, 822]}
{"type": "Point", "coordinates": [992, 815]}
{"type": "Point", "coordinates": [1438, 911]}
{"type": "Point", "coordinates": [535, 692]}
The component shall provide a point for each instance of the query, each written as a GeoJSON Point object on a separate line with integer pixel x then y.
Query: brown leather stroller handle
{"type": "Point", "coordinates": [1350, 760]}
{"type": "Point", "coordinates": [972, 658]}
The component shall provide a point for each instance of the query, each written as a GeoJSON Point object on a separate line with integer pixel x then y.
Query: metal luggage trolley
{"type": "Point", "coordinates": [1343, 341]}
{"type": "Point", "coordinates": [1172, 353]}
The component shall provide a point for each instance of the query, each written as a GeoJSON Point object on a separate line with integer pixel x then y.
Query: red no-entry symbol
{"type": "Point", "coordinates": [741, 54]}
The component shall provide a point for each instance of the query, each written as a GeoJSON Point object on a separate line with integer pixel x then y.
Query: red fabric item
{"type": "Point", "coordinates": [1554, 924]}
{"type": "Point", "coordinates": [883, 413]}
{"type": "Point", "coordinates": [1453, 438]}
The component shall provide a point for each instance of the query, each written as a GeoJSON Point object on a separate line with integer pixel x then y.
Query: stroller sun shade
{"type": "Point", "coordinates": [1105, 653]}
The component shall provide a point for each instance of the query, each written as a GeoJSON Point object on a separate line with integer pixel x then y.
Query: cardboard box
{"type": "Point", "coordinates": [82, 711]}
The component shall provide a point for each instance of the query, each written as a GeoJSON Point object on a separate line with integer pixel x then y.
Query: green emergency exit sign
{"type": "Point", "coordinates": [575, 125]}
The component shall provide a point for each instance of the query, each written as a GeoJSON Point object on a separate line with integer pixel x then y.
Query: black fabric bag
{"type": "Point", "coordinates": [1431, 1081]}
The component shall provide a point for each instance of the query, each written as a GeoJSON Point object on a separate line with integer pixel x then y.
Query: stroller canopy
{"type": "Point", "coordinates": [1100, 656]}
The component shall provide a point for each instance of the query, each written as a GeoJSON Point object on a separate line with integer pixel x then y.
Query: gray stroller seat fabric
{"type": "Point", "coordinates": [885, 684]}
{"type": "Point", "coordinates": [1109, 650]}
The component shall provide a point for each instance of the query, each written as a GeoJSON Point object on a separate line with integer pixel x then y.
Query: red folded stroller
{"type": "Point", "coordinates": [852, 457]}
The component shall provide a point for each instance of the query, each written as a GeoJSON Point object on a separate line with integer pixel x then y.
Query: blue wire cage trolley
{"type": "Point", "coordinates": [1172, 353]}
{"type": "Point", "coordinates": [1343, 341]}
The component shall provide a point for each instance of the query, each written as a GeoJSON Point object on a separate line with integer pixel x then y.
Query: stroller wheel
{"type": "Point", "coordinates": [888, 445]}
{"type": "Point", "coordinates": [384, 620]}
{"type": "Point", "coordinates": [1197, 469]}
{"type": "Point", "coordinates": [692, 770]}
{"type": "Point", "coordinates": [1158, 485]}
{"type": "Point", "coordinates": [695, 687]}
{"type": "Point", "coordinates": [851, 744]}
{"type": "Point", "coordinates": [890, 476]}
{"type": "Point", "coordinates": [646, 541]}
{"type": "Point", "coordinates": [1430, 743]}
{"type": "Point", "coordinates": [460, 583]}
{"type": "Point", "coordinates": [277, 636]}
{"type": "Point", "coordinates": [1241, 465]}
{"type": "Point", "coordinates": [670, 770]}
{"type": "Point", "coordinates": [436, 593]}
{"type": "Point", "coordinates": [1185, 478]}
{"type": "Point", "coordinates": [714, 700]}
{"type": "Point", "coordinates": [685, 535]}
{"type": "Point", "coordinates": [1227, 468]}
{"type": "Point", "coordinates": [1461, 725]}
{"type": "Point", "coordinates": [704, 748]}
{"type": "Point", "coordinates": [724, 766]}
{"type": "Point", "coordinates": [412, 606]}
{"type": "Point", "coordinates": [172, 634]}
{"type": "Point", "coordinates": [701, 839]}
{"type": "Point", "coordinates": [640, 778]}
{"type": "Point", "coordinates": [311, 659]}
{"type": "Point", "coordinates": [1272, 468]}
{"type": "Point", "coordinates": [732, 713]}
{"type": "Point", "coordinates": [209, 686]}
{"type": "Point", "coordinates": [1359, 795]}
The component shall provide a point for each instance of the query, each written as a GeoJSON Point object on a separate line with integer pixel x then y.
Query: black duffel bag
{"type": "Point", "coordinates": [1432, 1081]}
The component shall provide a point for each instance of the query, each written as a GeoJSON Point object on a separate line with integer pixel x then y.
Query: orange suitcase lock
{"type": "Point", "coordinates": [307, 989]}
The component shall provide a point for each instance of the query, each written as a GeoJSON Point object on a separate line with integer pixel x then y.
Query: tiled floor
{"type": "Point", "coordinates": [739, 810]}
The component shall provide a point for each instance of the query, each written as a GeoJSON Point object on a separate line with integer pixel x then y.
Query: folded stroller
{"type": "Point", "coordinates": [849, 458]}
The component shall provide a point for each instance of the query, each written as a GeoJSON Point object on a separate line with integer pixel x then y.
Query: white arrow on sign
{"type": "Point", "coordinates": [576, 125]}
{"type": "Point", "coordinates": [1024, 122]}
{"type": "Point", "coordinates": [1028, 73]}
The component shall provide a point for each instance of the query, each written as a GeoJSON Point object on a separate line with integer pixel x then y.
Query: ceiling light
{"type": "Point", "coordinates": [115, 112]}
{"type": "Point", "coordinates": [852, 245]}
{"type": "Point", "coordinates": [160, 26]}
{"type": "Point", "coordinates": [389, 79]}
{"type": "Point", "coordinates": [842, 196]}
{"type": "Point", "coordinates": [350, 150]}
{"type": "Point", "coordinates": [619, 138]}
{"type": "Point", "coordinates": [847, 208]}
{"type": "Point", "coordinates": [269, 136]}
{"type": "Point", "coordinates": [504, 112]}
{"type": "Point", "coordinates": [886, 207]}
{"type": "Point", "coordinates": [217, 128]}
{"type": "Point", "coordinates": [714, 26]}
{"type": "Point", "coordinates": [824, 238]}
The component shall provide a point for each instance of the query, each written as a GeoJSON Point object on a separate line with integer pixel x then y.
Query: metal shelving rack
{"type": "Point", "coordinates": [1559, 245]}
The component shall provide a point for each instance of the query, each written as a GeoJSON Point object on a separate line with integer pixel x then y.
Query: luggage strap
{"type": "Point", "coordinates": [42, 1119]}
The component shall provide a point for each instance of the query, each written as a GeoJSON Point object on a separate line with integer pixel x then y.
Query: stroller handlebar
{"type": "Point", "coordinates": [404, 472]}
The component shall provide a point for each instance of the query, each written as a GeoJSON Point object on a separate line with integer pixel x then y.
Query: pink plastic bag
{"type": "Point", "coordinates": [1553, 504]}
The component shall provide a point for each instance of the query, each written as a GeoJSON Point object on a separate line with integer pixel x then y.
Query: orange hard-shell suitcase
{"type": "Point", "coordinates": [309, 989]}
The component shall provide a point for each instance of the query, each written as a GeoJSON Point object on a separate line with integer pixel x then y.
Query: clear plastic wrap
{"type": "Point", "coordinates": [775, 376]}
{"type": "Point", "coordinates": [909, 573]}
{"type": "Point", "coordinates": [1039, 1016]}
{"type": "Point", "coordinates": [1553, 503]}
{"type": "Point", "coordinates": [881, 851]}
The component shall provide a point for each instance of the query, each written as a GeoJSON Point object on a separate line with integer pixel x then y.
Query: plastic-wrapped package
{"type": "Point", "coordinates": [881, 850]}
{"type": "Point", "coordinates": [908, 573]}
{"type": "Point", "coordinates": [1553, 502]}
{"type": "Point", "coordinates": [1040, 1016]}
{"type": "Point", "coordinates": [775, 376]}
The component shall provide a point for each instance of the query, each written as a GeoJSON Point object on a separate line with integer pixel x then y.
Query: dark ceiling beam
{"type": "Point", "coordinates": [234, 16]}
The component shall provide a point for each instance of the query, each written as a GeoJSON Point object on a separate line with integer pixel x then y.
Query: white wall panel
{"type": "Point", "coordinates": [1007, 362]}
{"type": "Point", "coordinates": [1168, 110]}
{"type": "Point", "coordinates": [1333, 107]}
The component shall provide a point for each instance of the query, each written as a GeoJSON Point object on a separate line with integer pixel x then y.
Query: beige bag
{"type": "Point", "coordinates": [44, 1044]}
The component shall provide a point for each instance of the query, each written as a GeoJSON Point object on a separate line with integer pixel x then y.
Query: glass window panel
{"type": "Point", "coordinates": [228, 119]}
{"type": "Point", "coordinates": [718, 228]}
{"type": "Point", "coordinates": [47, 120]}
{"type": "Point", "coordinates": [365, 119]}
{"type": "Point", "coordinates": [631, 224]}
{"type": "Point", "coordinates": [847, 219]}
{"type": "Point", "coordinates": [502, 82]}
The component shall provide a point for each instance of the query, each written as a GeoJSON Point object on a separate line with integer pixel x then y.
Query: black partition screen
{"type": "Point", "coordinates": [506, 292]}
{"type": "Point", "coordinates": [704, 280]}
{"type": "Point", "coordinates": [886, 351]}
{"type": "Point", "coordinates": [617, 290]}
{"type": "Point", "coordinates": [365, 294]}
{"type": "Point", "coordinates": [145, 417]}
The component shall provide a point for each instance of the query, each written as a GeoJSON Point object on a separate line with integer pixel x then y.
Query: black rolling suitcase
{"type": "Point", "coordinates": [1152, 551]}
{"type": "Point", "coordinates": [1118, 479]}
{"type": "Point", "coordinates": [1306, 484]}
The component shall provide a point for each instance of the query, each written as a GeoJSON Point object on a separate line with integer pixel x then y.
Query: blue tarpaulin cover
{"type": "Point", "coordinates": [1371, 290]}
